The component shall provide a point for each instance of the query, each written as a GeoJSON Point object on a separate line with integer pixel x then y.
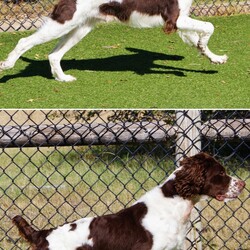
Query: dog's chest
{"type": "Point", "coordinates": [167, 220]}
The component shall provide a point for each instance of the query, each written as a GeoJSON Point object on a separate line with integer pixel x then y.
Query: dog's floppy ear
{"type": "Point", "coordinates": [190, 178]}
{"type": "Point", "coordinates": [171, 15]}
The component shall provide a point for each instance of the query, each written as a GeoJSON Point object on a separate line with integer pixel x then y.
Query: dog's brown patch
{"type": "Point", "coordinates": [73, 226]}
{"type": "Point", "coordinates": [85, 247]}
{"type": "Point", "coordinates": [64, 11]}
{"type": "Point", "coordinates": [168, 9]}
{"type": "Point", "coordinates": [122, 230]}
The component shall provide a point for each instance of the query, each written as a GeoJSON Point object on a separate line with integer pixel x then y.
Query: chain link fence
{"type": "Point", "coordinates": [57, 166]}
{"type": "Point", "coordinates": [28, 14]}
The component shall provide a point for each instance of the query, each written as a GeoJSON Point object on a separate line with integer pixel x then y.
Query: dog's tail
{"type": "Point", "coordinates": [29, 233]}
{"type": "Point", "coordinates": [26, 231]}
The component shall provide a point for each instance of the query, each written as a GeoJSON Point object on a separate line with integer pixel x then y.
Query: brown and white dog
{"type": "Point", "coordinates": [157, 221]}
{"type": "Point", "coordinates": [73, 19]}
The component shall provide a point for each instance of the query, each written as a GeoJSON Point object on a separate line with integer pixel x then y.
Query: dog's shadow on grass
{"type": "Point", "coordinates": [140, 62]}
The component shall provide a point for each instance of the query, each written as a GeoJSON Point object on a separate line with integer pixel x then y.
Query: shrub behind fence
{"type": "Point", "coordinates": [28, 14]}
{"type": "Point", "coordinates": [58, 166]}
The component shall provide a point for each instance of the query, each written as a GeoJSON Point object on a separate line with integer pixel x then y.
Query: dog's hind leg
{"type": "Point", "coordinates": [198, 33]}
{"type": "Point", "coordinates": [64, 45]}
{"type": "Point", "coordinates": [49, 31]}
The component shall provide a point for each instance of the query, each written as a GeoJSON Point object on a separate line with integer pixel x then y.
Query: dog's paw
{"type": "Point", "coordinates": [219, 59]}
{"type": "Point", "coordinates": [66, 78]}
{"type": "Point", "coordinates": [2, 66]}
{"type": "Point", "coordinates": [5, 65]}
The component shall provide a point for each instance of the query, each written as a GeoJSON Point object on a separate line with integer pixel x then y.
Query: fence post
{"type": "Point", "coordinates": [188, 143]}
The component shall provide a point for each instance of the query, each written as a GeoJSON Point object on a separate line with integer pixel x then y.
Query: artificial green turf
{"type": "Point", "coordinates": [121, 67]}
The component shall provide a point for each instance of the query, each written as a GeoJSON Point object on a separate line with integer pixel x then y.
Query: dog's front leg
{"type": "Point", "coordinates": [49, 31]}
{"type": "Point", "coordinates": [198, 33]}
{"type": "Point", "coordinates": [22, 46]}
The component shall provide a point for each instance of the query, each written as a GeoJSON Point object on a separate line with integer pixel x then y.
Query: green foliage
{"type": "Point", "coordinates": [118, 66]}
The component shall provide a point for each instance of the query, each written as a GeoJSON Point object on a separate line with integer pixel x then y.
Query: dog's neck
{"type": "Point", "coordinates": [169, 191]}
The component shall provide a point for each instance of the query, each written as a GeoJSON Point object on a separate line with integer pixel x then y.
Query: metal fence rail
{"type": "Point", "coordinates": [28, 14]}
{"type": "Point", "coordinates": [58, 166]}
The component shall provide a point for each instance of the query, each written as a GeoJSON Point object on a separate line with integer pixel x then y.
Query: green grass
{"type": "Point", "coordinates": [121, 67]}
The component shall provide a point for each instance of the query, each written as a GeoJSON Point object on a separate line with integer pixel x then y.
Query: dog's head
{"type": "Point", "coordinates": [201, 174]}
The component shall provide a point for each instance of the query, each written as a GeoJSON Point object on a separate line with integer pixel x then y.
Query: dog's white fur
{"type": "Point", "coordinates": [64, 239]}
{"type": "Point", "coordinates": [193, 32]}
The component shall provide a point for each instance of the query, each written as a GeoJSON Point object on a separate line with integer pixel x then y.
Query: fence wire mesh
{"type": "Point", "coordinates": [28, 14]}
{"type": "Point", "coordinates": [60, 165]}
